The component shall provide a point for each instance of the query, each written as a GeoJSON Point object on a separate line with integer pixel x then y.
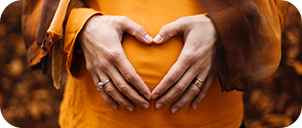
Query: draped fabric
{"type": "Point", "coordinates": [249, 48]}
{"type": "Point", "coordinates": [242, 62]}
{"type": "Point", "coordinates": [249, 51]}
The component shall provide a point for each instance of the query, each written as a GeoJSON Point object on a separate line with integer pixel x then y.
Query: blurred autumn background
{"type": "Point", "coordinates": [29, 100]}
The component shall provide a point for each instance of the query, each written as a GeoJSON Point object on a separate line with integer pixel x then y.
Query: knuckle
{"type": "Point", "coordinates": [202, 65]}
{"type": "Point", "coordinates": [103, 65]}
{"type": "Point", "coordinates": [135, 100]}
{"type": "Point", "coordinates": [180, 104]}
{"type": "Point", "coordinates": [90, 67]}
{"type": "Point", "coordinates": [124, 103]}
{"type": "Point", "coordinates": [172, 78]}
{"type": "Point", "coordinates": [130, 77]}
{"type": "Point", "coordinates": [191, 58]}
{"type": "Point", "coordinates": [139, 30]}
{"type": "Point", "coordinates": [181, 88]}
{"type": "Point", "coordinates": [122, 19]}
{"type": "Point", "coordinates": [113, 55]}
{"type": "Point", "coordinates": [165, 30]}
{"type": "Point", "coordinates": [109, 91]}
{"type": "Point", "coordinates": [123, 88]}
{"type": "Point", "coordinates": [194, 91]}
{"type": "Point", "coordinates": [166, 100]}
{"type": "Point", "coordinates": [185, 21]}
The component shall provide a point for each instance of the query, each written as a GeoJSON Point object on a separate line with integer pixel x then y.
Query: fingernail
{"type": "Point", "coordinates": [194, 107]}
{"type": "Point", "coordinates": [130, 109]}
{"type": "Point", "coordinates": [174, 110]}
{"type": "Point", "coordinates": [147, 96]}
{"type": "Point", "coordinates": [145, 106]}
{"type": "Point", "coordinates": [158, 39]}
{"type": "Point", "coordinates": [158, 106]}
{"type": "Point", "coordinates": [148, 38]}
{"type": "Point", "coordinates": [154, 96]}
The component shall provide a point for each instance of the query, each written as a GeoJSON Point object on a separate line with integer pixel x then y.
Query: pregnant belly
{"type": "Point", "coordinates": [152, 62]}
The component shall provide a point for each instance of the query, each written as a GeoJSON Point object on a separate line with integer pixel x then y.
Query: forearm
{"type": "Point", "coordinates": [77, 19]}
{"type": "Point", "coordinates": [249, 41]}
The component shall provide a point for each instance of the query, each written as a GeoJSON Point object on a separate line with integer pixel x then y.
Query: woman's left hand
{"type": "Point", "coordinates": [194, 63]}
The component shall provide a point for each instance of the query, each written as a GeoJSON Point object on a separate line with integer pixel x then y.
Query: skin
{"type": "Point", "coordinates": [195, 60]}
{"type": "Point", "coordinates": [100, 40]}
{"type": "Point", "coordinates": [106, 59]}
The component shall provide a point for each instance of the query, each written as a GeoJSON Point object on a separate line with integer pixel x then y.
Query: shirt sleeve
{"type": "Point", "coordinates": [76, 21]}
{"type": "Point", "coordinates": [249, 40]}
{"type": "Point", "coordinates": [32, 12]}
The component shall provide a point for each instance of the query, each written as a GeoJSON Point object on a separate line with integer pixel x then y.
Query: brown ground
{"type": "Point", "coordinates": [28, 99]}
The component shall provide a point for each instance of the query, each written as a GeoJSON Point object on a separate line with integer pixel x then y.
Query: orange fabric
{"type": "Point", "coordinates": [30, 20]}
{"type": "Point", "coordinates": [78, 17]}
{"type": "Point", "coordinates": [83, 106]}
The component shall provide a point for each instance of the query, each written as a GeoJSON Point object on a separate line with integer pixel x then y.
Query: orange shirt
{"type": "Point", "coordinates": [83, 106]}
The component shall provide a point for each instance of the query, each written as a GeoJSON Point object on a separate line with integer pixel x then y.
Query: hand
{"type": "Point", "coordinates": [195, 61]}
{"type": "Point", "coordinates": [100, 40]}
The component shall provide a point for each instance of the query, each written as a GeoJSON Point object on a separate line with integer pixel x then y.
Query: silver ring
{"type": "Point", "coordinates": [198, 82]}
{"type": "Point", "coordinates": [101, 84]}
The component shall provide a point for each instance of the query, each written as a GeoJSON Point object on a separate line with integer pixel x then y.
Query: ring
{"type": "Point", "coordinates": [198, 83]}
{"type": "Point", "coordinates": [101, 84]}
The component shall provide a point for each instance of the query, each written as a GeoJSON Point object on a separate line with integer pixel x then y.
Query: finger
{"type": "Point", "coordinates": [124, 87]}
{"type": "Point", "coordinates": [203, 92]}
{"type": "Point", "coordinates": [136, 30]}
{"type": "Point", "coordinates": [174, 74]}
{"type": "Point", "coordinates": [111, 90]}
{"type": "Point", "coordinates": [104, 95]}
{"type": "Point", "coordinates": [192, 91]}
{"type": "Point", "coordinates": [130, 75]}
{"type": "Point", "coordinates": [169, 31]}
{"type": "Point", "coordinates": [110, 93]}
{"type": "Point", "coordinates": [178, 89]}
{"type": "Point", "coordinates": [183, 83]}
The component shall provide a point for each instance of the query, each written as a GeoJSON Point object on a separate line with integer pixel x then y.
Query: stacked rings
{"type": "Point", "coordinates": [101, 84]}
{"type": "Point", "coordinates": [198, 83]}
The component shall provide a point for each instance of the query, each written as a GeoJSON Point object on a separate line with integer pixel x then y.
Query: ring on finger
{"type": "Point", "coordinates": [101, 84]}
{"type": "Point", "coordinates": [198, 82]}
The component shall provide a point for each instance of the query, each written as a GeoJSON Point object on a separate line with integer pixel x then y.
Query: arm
{"type": "Point", "coordinates": [248, 49]}
{"type": "Point", "coordinates": [76, 22]}
{"type": "Point", "coordinates": [249, 40]}
{"type": "Point", "coordinates": [100, 40]}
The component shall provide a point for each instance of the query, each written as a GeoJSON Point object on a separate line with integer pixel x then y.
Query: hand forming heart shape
{"type": "Point", "coordinates": [107, 61]}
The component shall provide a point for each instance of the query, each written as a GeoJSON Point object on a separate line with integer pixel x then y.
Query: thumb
{"type": "Point", "coordinates": [136, 30]}
{"type": "Point", "coordinates": [169, 30]}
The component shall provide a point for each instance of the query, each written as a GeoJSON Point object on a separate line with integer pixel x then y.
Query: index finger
{"type": "Point", "coordinates": [131, 76]}
{"type": "Point", "coordinates": [174, 74]}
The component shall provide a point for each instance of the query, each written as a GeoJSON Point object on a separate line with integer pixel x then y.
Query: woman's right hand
{"type": "Point", "coordinates": [100, 40]}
